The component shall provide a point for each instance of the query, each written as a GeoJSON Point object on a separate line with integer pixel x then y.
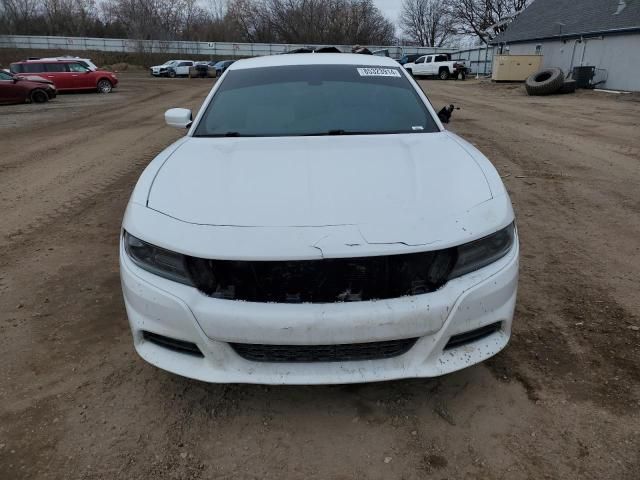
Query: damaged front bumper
{"type": "Point", "coordinates": [466, 304]}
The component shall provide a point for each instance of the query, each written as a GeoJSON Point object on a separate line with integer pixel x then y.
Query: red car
{"type": "Point", "coordinates": [16, 89]}
{"type": "Point", "coordinates": [68, 74]}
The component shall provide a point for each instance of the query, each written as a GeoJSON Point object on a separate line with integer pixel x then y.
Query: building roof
{"type": "Point", "coordinates": [562, 18]}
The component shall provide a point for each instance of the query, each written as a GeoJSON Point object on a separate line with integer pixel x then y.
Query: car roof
{"type": "Point", "coordinates": [57, 59]}
{"type": "Point", "coordinates": [314, 59]}
{"type": "Point", "coordinates": [65, 60]}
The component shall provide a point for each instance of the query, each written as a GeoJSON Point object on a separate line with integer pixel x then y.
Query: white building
{"type": "Point", "coordinates": [604, 34]}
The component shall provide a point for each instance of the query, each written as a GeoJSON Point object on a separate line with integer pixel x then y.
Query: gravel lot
{"type": "Point", "coordinates": [562, 401]}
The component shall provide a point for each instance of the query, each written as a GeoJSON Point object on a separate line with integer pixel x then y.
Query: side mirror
{"type": "Point", "coordinates": [178, 117]}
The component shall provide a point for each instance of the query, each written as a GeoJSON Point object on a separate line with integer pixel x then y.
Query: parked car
{"type": "Point", "coordinates": [203, 70]}
{"type": "Point", "coordinates": [302, 233]}
{"type": "Point", "coordinates": [222, 66]}
{"type": "Point", "coordinates": [16, 89]}
{"type": "Point", "coordinates": [68, 74]}
{"type": "Point", "coordinates": [410, 58]}
{"type": "Point", "coordinates": [33, 78]}
{"type": "Point", "coordinates": [161, 70]}
{"type": "Point", "coordinates": [180, 68]}
{"type": "Point", "coordinates": [437, 66]}
{"type": "Point", "coordinates": [82, 61]}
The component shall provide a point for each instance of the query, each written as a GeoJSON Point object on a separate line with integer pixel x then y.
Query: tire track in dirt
{"type": "Point", "coordinates": [77, 402]}
{"type": "Point", "coordinates": [50, 180]}
{"type": "Point", "coordinates": [559, 178]}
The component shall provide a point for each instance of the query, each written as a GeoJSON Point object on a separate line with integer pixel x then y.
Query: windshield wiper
{"type": "Point", "coordinates": [339, 132]}
{"type": "Point", "coordinates": [347, 132]}
{"type": "Point", "coordinates": [227, 134]}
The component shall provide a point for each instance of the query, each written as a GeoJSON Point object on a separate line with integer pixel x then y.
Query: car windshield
{"type": "Point", "coordinates": [315, 100]}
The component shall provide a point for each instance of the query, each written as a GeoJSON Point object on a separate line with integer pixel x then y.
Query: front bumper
{"type": "Point", "coordinates": [163, 307]}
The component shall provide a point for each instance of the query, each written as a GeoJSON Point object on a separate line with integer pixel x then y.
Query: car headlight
{"type": "Point", "coordinates": [480, 253]}
{"type": "Point", "coordinates": [161, 262]}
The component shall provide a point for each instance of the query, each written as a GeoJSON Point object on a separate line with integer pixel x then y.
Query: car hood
{"type": "Point", "coordinates": [374, 182]}
{"type": "Point", "coordinates": [35, 78]}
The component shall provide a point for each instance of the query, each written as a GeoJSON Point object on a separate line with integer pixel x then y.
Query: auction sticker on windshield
{"type": "Point", "coordinates": [378, 72]}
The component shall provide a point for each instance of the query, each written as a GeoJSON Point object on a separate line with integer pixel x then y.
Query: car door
{"type": "Point", "coordinates": [81, 76]}
{"type": "Point", "coordinates": [10, 91]}
{"type": "Point", "coordinates": [183, 68]}
{"type": "Point", "coordinates": [58, 73]}
{"type": "Point", "coordinates": [419, 66]}
{"type": "Point", "coordinates": [428, 65]}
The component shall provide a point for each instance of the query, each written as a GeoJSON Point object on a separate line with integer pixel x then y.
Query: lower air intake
{"type": "Point", "coordinates": [172, 344]}
{"type": "Point", "coordinates": [472, 336]}
{"type": "Point", "coordinates": [323, 353]}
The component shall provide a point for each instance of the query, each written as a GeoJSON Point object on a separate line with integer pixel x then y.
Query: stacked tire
{"type": "Point", "coordinates": [545, 82]}
{"type": "Point", "coordinates": [548, 82]}
{"type": "Point", "coordinates": [569, 86]}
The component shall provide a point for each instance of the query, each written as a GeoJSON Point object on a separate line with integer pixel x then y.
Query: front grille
{"type": "Point", "coordinates": [472, 336]}
{"type": "Point", "coordinates": [172, 344]}
{"type": "Point", "coordinates": [323, 353]}
{"type": "Point", "coordinates": [323, 281]}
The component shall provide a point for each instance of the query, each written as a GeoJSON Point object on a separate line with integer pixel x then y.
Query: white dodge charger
{"type": "Point", "coordinates": [316, 225]}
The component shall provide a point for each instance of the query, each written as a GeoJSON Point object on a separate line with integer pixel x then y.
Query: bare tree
{"type": "Point", "coordinates": [293, 21]}
{"type": "Point", "coordinates": [250, 20]}
{"type": "Point", "coordinates": [149, 19]}
{"type": "Point", "coordinates": [484, 18]}
{"type": "Point", "coordinates": [19, 16]}
{"type": "Point", "coordinates": [426, 23]}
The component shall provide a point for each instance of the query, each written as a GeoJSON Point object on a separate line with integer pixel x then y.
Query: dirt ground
{"type": "Point", "coordinates": [561, 402]}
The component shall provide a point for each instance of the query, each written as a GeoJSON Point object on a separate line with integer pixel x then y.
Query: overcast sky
{"type": "Point", "coordinates": [391, 8]}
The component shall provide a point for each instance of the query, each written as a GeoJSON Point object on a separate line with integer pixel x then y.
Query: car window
{"type": "Point", "coordinates": [55, 67]}
{"type": "Point", "coordinates": [420, 60]}
{"type": "Point", "coordinates": [5, 76]}
{"type": "Point", "coordinates": [76, 67]}
{"type": "Point", "coordinates": [32, 67]}
{"type": "Point", "coordinates": [428, 60]}
{"type": "Point", "coordinates": [315, 100]}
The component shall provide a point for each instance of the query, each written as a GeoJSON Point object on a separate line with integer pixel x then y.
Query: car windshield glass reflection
{"type": "Point", "coordinates": [315, 100]}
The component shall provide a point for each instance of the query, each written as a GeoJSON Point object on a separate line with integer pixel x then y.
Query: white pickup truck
{"type": "Point", "coordinates": [437, 65]}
